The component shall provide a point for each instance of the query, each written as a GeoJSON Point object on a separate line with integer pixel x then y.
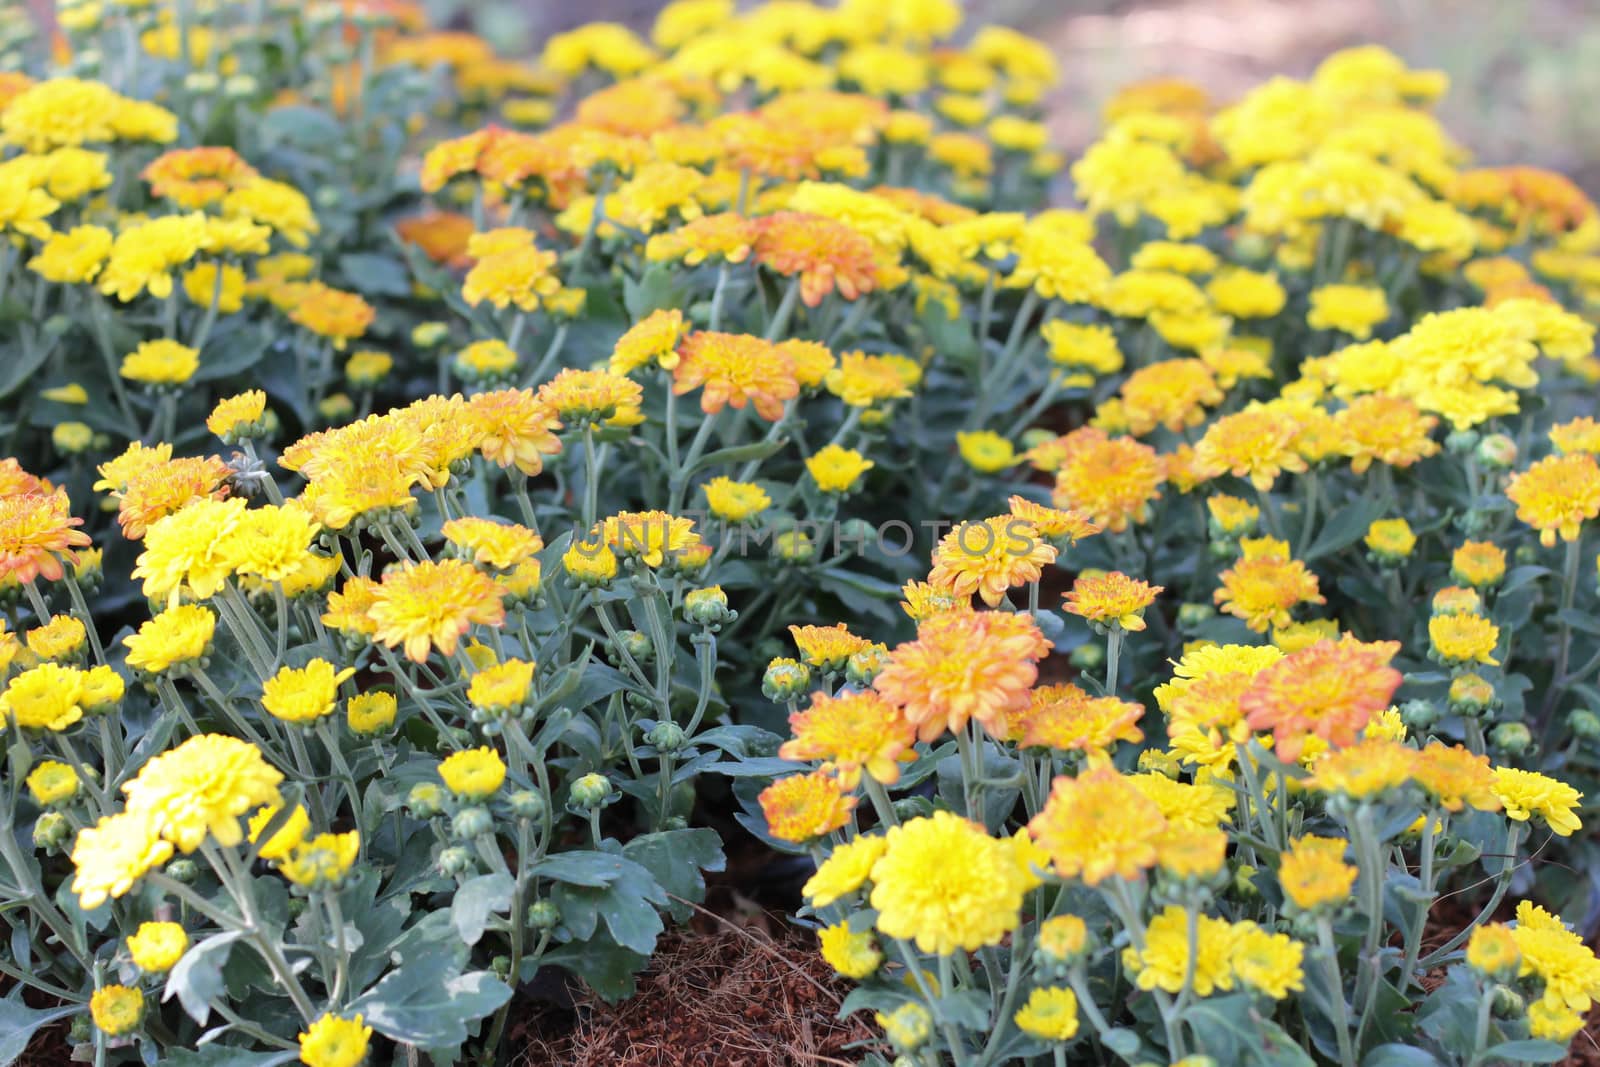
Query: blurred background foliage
{"type": "Point", "coordinates": [1521, 70]}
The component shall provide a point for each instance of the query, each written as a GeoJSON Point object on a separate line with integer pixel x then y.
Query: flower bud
{"type": "Point", "coordinates": [501, 966]}
{"type": "Point", "coordinates": [526, 804]}
{"type": "Point", "coordinates": [1460, 442]}
{"type": "Point", "coordinates": [707, 607]}
{"type": "Point", "coordinates": [863, 666]}
{"type": "Point", "coordinates": [426, 800]}
{"type": "Point", "coordinates": [1062, 940]}
{"type": "Point", "coordinates": [201, 81]}
{"type": "Point", "coordinates": [1512, 738]}
{"type": "Point", "coordinates": [1090, 655]}
{"type": "Point", "coordinates": [1497, 451]}
{"type": "Point", "coordinates": [1508, 1003]}
{"type": "Point", "coordinates": [456, 860]}
{"type": "Point", "coordinates": [794, 546]}
{"type": "Point", "coordinates": [667, 737]}
{"type": "Point", "coordinates": [785, 679]}
{"type": "Point", "coordinates": [51, 831]}
{"type": "Point", "coordinates": [544, 915]}
{"type": "Point", "coordinates": [429, 334]}
{"type": "Point", "coordinates": [1470, 695]}
{"type": "Point", "coordinates": [183, 870]}
{"type": "Point", "coordinates": [908, 808]}
{"type": "Point", "coordinates": [591, 791]}
{"type": "Point", "coordinates": [1584, 724]}
{"type": "Point", "coordinates": [637, 645]}
{"type": "Point", "coordinates": [471, 822]}
{"type": "Point", "coordinates": [1418, 715]}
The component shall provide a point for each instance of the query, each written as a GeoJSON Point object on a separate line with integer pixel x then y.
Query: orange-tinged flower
{"type": "Point", "coordinates": [195, 178]}
{"type": "Point", "coordinates": [583, 397]}
{"type": "Point", "coordinates": [1256, 443]}
{"type": "Point", "coordinates": [1557, 495]}
{"type": "Point", "coordinates": [1173, 393]}
{"type": "Point", "coordinates": [653, 339]}
{"type": "Point", "coordinates": [1388, 429]}
{"type": "Point", "coordinates": [827, 648]}
{"type": "Point", "coordinates": [37, 534]}
{"type": "Point", "coordinates": [1369, 768]}
{"type": "Point", "coordinates": [489, 543]}
{"type": "Point", "coordinates": [988, 557]}
{"type": "Point", "coordinates": [964, 665]}
{"type": "Point", "coordinates": [1265, 585]}
{"type": "Point", "coordinates": [1463, 637]}
{"type": "Point", "coordinates": [1058, 524]}
{"type": "Point", "coordinates": [850, 733]}
{"type": "Point", "coordinates": [1099, 825]}
{"type": "Point", "coordinates": [735, 369]}
{"type": "Point", "coordinates": [802, 807]}
{"type": "Point", "coordinates": [1111, 480]}
{"type": "Point", "coordinates": [1577, 435]}
{"type": "Point", "coordinates": [161, 489]}
{"type": "Point", "coordinates": [1112, 599]}
{"type": "Point", "coordinates": [1065, 718]}
{"type": "Point", "coordinates": [826, 255]}
{"type": "Point", "coordinates": [349, 608]}
{"type": "Point", "coordinates": [430, 605]}
{"type": "Point", "coordinates": [1330, 690]}
{"type": "Point", "coordinates": [332, 313]}
{"type": "Point", "coordinates": [1478, 563]}
{"type": "Point", "coordinates": [651, 537]}
{"type": "Point", "coordinates": [517, 429]}
{"type": "Point", "coordinates": [1314, 875]}
{"type": "Point", "coordinates": [1456, 778]}
{"type": "Point", "coordinates": [727, 236]}
{"type": "Point", "coordinates": [441, 235]}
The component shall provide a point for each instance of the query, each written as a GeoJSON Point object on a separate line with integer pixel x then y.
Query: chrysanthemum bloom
{"type": "Point", "coordinates": [725, 236]}
{"type": "Point", "coordinates": [583, 397]}
{"type": "Point", "coordinates": [802, 807]}
{"type": "Point", "coordinates": [1528, 793]}
{"type": "Point", "coordinates": [303, 694]}
{"type": "Point", "coordinates": [47, 697]}
{"type": "Point", "coordinates": [515, 429]}
{"type": "Point", "coordinates": [1557, 955]}
{"type": "Point", "coordinates": [1050, 1014]}
{"type": "Point", "coordinates": [1269, 963]}
{"type": "Point", "coordinates": [990, 556]}
{"type": "Point", "coordinates": [441, 235]}
{"type": "Point", "coordinates": [1557, 495]}
{"type": "Point", "coordinates": [1231, 516]}
{"type": "Point", "coordinates": [51, 783]}
{"type": "Point", "coordinates": [1266, 584]}
{"type": "Point", "coordinates": [195, 178]}
{"type": "Point", "coordinates": [1256, 443]}
{"type": "Point", "coordinates": [271, 543]}
{"type": "Point", "coordinates": [1200, 806]}
{"type": "Point", "coordinates": [836, 469]}
{"type": "Point", "coordinates": [323, 861]}
{"type": "Point", "coordinates": [276, 204]}
{"type": "Point", "coordinates": [651, 537]}
{"type": "Point", "coordinates": [1092, 348]}
{"type": "Point", "coordinates": [1388, 429]}
{"type": "Point", "coordinates": [428, 605]}
{"type": "Point", "coordinates": [117, 1009]}
{"type": "Point", "coordinates": [1492, 951]}
{"type": "Point", "coordinates": [825, 254]}
{"type": "Point", "coordinates": [1112, 600]}
{"type": "Point", "coordinates": [72, 256]}
{"type": "Point", "coordinates": [1164, 961]}
{"type": "Point", "coordinates": [845, 871]}
{"type": "Point", "coordinates": [735, 369]}
{"type": "Point", "coordinates": [1362, 771]}
{"type": "Point", "coordinates": [485, 360]}
{"type": "Point", "coordinates": [733, 501]}
{"type": "Point", "coordinates": [1329, 690]}
{"type": "Point", "coordinates": [1390, 539]}
{"type": "Point", "coordinates": [187, 550]}
{"type": "Point", "coordinates": [179, 635]}
{"type": "Point", "coordinates": [1111, 480]}
{"type": "Point", "coordinates": [201, 788]}
{"type": "Point", "coordinates": [332, 313]}
{"type": "Point", "coordinates": [239, 416]}
{"type": "Point", "coordinates": [1173, 393]}
{"type": "Point", "coordinates": [1314, 875]}
{"type": "Point", "coordinates": [283, 840]}
{"type": "Point", "coordinates": [1456, 778]}
{"type": "Point", "coordinates": [60, 640]}
{"type": "Point", "coordinates": [972, 665]}
{"type": "Point", "coordinates": [501, 687]}
{"type": "Point", "coordinates": [510, 273]}
{"type": "Point", "coordinates": [475, 773]}
{"type": "Point", "coordinates": [851, 733]}
{"type": "Point", "coordinates": [1459, 638]}
{"type": "Point", "coordinates": [1066, 719]}
{"type": "Point", "coordinates": [36, 534]}
{"type": "Point", "coordinates": [1247, 294]}
{"type": "Point", "coordinates": [157, 946]}
{"type": "Point", "coordinates": [852, 953]}
{"type": "Point", "coordinates": [652, 340]}
{"type": "Point", "coordinates": [827, 648]}
{"type": "Point", "coordinates": [985, 451]}
{"type": "Point", "coordinates": [1098, 825]}
{"type": "Point", "coordinates": [334, 1041]}
{"type": "Point", "coordinates": [948, 886]}
{"type": "Point", "coordinates": [1350, 309]}
{"type": "Point", "coordinates": [144, 255]}
{"type": "Point", "coordinates": [488, 543]}
{"type": "Point", "coordinates": [112, 855]}
{"type": "Point", "coordinates": [1060, 525]}
{"type": "Point", "coordinates": [157, 490]}
{"type": "Point", "coordinates": [1576, 435]}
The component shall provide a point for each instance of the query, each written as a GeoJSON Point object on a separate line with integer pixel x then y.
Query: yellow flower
{"type": "Point", "coordinates": [209, 283]}
{"type": "Point", "coordinates": [321, 861]}
{"type": "Point", "coordinates": [843, 872]}
{"type": "Point", "coordinates": [986, 451]}
{"type": "Point", "coordinates": [51, 783]}
{"type": "Point", "coordinates": [1314, 875]}
{"type": "Point", "coordinates": [285, 838]}
{"type": "Point", "coordinates": [988, 557]}
{"type": "Point", "coordinates": [333, 1041]}
{"type": "Point", "coordinates": [1391, 539]}
{"type": "Point", "coordinates": [303, 695]}
{"type": "Point", "coordinates": [488, 543]}
{"type": "Point", "coordinates": [161, 362]}
{"type": "Point", "coordinates": [72, 256]}
{"type": "Point", "coordinates": [1051, 1014]}
{"type": "Point", "coordinates": [1557, 495]}
{"type": "Point", "coordinates": [733, 501]}
{"type": "Point", "coordinates": [61, 639]}
{"type": "Point", "coordinates": [474, 773]}
{"type": "Point", "coordinates": [369, 713]}
{"type": "Point", "coordinates": [1087, 346]}
{"type": "Point", "coordinates": [430, 605]}
{"type": "Point", "coordinates": [117, 1009]}
{"type": "Point", "coordinates": [909, 1026]}
{"type": "Point", "coordinates": [850, 953]}
{"type": "Point", "coordinates": [504, 686]}
{"type": "Point", "coordinates": [240, 416]}
{"type": "Point", "coordinates": [652, 537]}
{"type": "Point", "coordinates": [1478, 563]}
{"type": "Point", "coordinates": [144, 255]}
{"type": "Point", "coordinates": [836, 469]}
{"type": "Point", "coordinates": [1099, 825]}
{"type": "Point", "coordinates": [1164, 961]}
{"type": "Point", "coordinates": [179, 635]}
{"type": "Point", "coordinates": [735, 370]}
{"type": "Point", "coordinates": [1351, 309]}
{"type": "Point", "coordinates": [1492, 951]}
{"type": "Point", "coordinates": [201, 788]}
{"type": "Point", "coordinates": [1463, 637]}
{"type": "Point", "coordinates": [1112, 600]}
{"type": "Point", "coordinates": [114, 853]}
{"type": "Point", "coordinates": [653, 339]}
{"type": "Point", "coordinates": [1266, 584]}
{"type": "Point", "coordinates": [802, 807]}
{"type": "Point", "coordinates": [946, 885]}
{"type": "Point", "coordinates": [1555, 954]}
{"type": "Point", "coordinates": [157, 946]}
{"type": "Point", "coordinates": [1529, 793]}
{"type": "Point", "coordinates": [46, 697]}
{"type": "Point", "coordinates": [1267, 962]}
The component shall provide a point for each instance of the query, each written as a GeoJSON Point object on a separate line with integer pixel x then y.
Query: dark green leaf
{"type": "Point", "coordinates": [1529, 1051]}
{"type": "Point", "coordinates": [18, 1024]}
{"type": "Point", "coordinates": [197, 979]}
{"type": "Point", "coordinates": [478, 899]}
{"type": "Point", "coordinates": [676, 858]}
{"type": "Point", "coordinates": [424, 1004]}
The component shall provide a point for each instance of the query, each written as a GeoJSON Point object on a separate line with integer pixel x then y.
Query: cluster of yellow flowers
{"type": "Point", "coordinates": [555, 394]}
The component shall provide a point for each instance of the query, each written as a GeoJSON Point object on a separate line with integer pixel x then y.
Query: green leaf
{"type": "Point", "coordinates": [656, 289]}
{"type": "Point", "coordinates": [476, 900]}
{"type": "Point", "coordinates": [593, 869]}
{"type": "Point", "coordinates": [424, 1004]}
{"type": "Point", "coordinates": [1399, 1056]}
{"type": "Point", "coordinates": [225, 1056]}
{"type": "Point", "coordinates": [1348, 527]}
{"type": "Point", "coordinates": [20, 372]}
{"type": "Point", "coordinates": [675, 858]}
{"type": "Point", "coordinates": [197, 979]}
{"type": "Point", "coordinates": [304, 127]}
{"type": "Point", "coordinates": [738, 454]}
{"type": "Point", "coordinates": [374, 274]}
{"type": "Point", "coordinates": [18, 1024]}
{"type": "Point", "coordinates": [608, 969]}
{"type": "Point", "coordinates": [1122, 1041]}
{"type": "Point", "coordinates": [1528, 1051]}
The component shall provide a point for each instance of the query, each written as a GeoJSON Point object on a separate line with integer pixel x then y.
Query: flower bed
{"type": "Point", "coordinates": [444, 488]}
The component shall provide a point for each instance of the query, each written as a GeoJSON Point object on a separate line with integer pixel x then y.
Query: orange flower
{"type": "Point", "coordinates": [827, 648]}
{"type": "Point", "coordinates": [736, 369]}
{"type": "Point", "coordinates": [1557, 495]}
{"type": "Point", "coordinates": [1256, 443]}
{"type": "Point", "coordinates": [1112, 599]}
{"type": "Point", "coordinates": [429, 605]}
{"type": "Point", "coordinates": [850, 733]}
{"type": "Point", "coordinates": [1266, 584]}
{"type": "Point", "coordinates": [1098, 825]}
{"type": "Point", "coordinates": [1066, 718]}
{"type": "Point", "coordinates": [1112, 480]}
{"type": "Point", "coordinates": [1173, 393]}
{"type": "Point", "coordinates": [726, 236]}
{"type": "Point", "coordinates": [160, 489]}
{"type": "Point", "coordinates": [442, 235]}
{"type": "Point", "coordinates": [802, 807]}
{"type": "Point", "coordinates": [1389, 429]}
{"type": "Point", "coordinates": [194, 178]}
{"type": "Point", "coordinates": [331, 313]}
{"type": "Point", "coordinates": [1329, 690]}
{"type": "Point", "coordinates": [36, 535]}
{"type": "Point", "coordinates": [964, 665]}
{"type": "Point", "coordinates": [592, 396]}
{"type": "Point", "coordinates": [517, 429]}
{"type": "Point", "coordinates": [1456, 778]}
{"type": "Point", "coordinates": [827, 255]}
{"type": "Point", "coordinates": [988, 557]}
{"type": "Point", "coordinates": [1058, 524]}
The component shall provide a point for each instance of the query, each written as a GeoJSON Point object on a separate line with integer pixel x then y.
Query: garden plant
{"type": "Point", "coordinates": [1152, 594]}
